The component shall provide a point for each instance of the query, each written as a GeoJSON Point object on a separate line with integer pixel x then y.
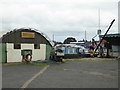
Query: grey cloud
{"type": "Point", "coordinates": [58, 17]}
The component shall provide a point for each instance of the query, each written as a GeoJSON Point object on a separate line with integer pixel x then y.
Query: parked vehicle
{"type": "Point", "coordinates": [86, 50]}
{"type": "Point", "coordinates": [57, 54]}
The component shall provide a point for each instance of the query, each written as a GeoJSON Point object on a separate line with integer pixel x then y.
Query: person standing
{"type": "Point", "coordinates": [101, 51]}
{"type": "Point", "coordinates": [108, 47]}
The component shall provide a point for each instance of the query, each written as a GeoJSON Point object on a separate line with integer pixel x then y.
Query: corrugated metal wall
{"type": "Point", "coordinates": [3, 54]}
{"type": "Point", "coordinates": [16, 37]}
{"type": "Point", "coordinates": [48, 50]}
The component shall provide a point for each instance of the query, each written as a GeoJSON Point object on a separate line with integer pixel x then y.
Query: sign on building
{"type": "Point", "coordinates": [27, 35]}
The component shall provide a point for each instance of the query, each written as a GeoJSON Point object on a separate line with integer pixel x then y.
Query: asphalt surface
{"type": "Point", "coordinates": [71, 74]}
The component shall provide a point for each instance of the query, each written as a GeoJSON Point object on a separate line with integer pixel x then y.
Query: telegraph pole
{"type": "Point", "coordinates": [85, 35]}
{"type": "Point", "coordinates": [99, 18]}
{"type": "Point", "coordinates": [99, 30]}
{"type": "Point", "coordinates": [53, 37]}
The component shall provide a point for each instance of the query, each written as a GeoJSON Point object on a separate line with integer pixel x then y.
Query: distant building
{"type": "Point", "coordinates": [15, 44]}
{"type": "Point", "coordinates": [77, 43]}
{"type": "Point", "coordinates": [114, 40]}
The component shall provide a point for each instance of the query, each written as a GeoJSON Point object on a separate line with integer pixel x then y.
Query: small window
{"type": "Point", "coordinates": [36, 46]}
{"type": "Point", "coordinates": [17, 46]}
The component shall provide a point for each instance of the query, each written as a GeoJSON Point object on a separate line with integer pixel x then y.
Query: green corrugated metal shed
{"type": "Point", "coordinates": [15, 36]}
{"type": "Point", "coordinates": [114, 39]}
{"type": "Point", "coordinates": [48, 50]}
{"type": "Point", "coordinates": [3, 56]}
{"type": "Point", "coordinates": [111, 35]}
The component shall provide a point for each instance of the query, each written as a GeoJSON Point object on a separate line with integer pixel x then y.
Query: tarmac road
{"type": "Point", "coordinates": [71, 74]}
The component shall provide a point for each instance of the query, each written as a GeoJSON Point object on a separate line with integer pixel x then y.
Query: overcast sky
{"type": "Point", "coordinates": [62, 18]}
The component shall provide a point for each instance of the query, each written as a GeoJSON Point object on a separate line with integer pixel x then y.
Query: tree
{"type": "Point", "coordinates": [69, 39]}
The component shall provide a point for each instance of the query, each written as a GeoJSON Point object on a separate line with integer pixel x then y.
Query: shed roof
{"type": "Point", "coordinates": [111, 35]}
{"type": "Point", "coordinates": [30, 29]}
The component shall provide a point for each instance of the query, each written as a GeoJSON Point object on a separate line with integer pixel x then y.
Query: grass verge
{"type": "Point", "coordinates": [90, 59]}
